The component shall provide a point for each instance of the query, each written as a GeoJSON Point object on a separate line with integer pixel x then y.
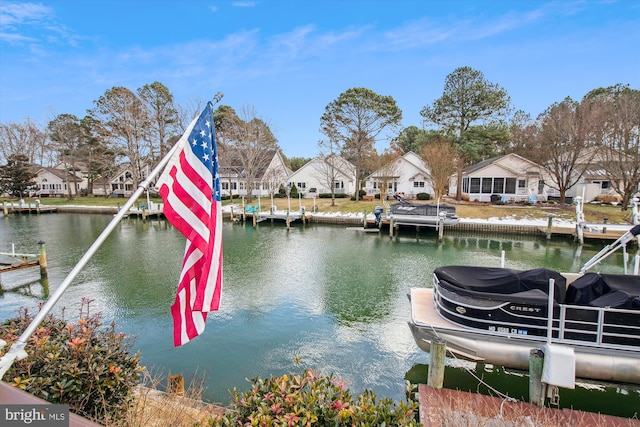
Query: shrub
{"type": "Point", "coordinates": [311, 399]}
{"type": "Point", "coordinates": [608, 199]}
{"type": "Point", "coordinates": [337, 195]}
{"type": "Point", "coordinates": [88, 367]}
{"type": "Point", "coordinates": [423, 196]}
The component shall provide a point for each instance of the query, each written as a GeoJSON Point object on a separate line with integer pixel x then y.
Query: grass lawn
{"type": "Point", "coordinates": [594, 213]}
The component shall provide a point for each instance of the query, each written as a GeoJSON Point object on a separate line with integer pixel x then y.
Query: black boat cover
{"type": "Point", "coordinates": [504, 281]}
{"type": "Point", "coordinates": [605, 290]}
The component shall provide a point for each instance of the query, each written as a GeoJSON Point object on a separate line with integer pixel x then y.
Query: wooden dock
{"type": "Point", "coordinates": [444, 407]}
{"type": "Point", "coordinates": [27, 208]}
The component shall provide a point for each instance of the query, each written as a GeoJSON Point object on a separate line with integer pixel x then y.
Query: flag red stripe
{"type": "Point", "coordinates": [190, 189]}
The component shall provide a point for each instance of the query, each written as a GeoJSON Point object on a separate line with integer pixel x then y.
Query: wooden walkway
{"type": "Point", "coordinates": [444, 407]}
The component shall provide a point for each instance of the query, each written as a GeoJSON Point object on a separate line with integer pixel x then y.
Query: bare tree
{"type": "Point", "coordinates": [565, 143]}
{"type": "Point", "coordinates": [253, 144]}
{"type": "Point", "coordinates": [619, 129]}
{"type": "Point", "coordinates": [25, 139]}
{"type": "Point", "coordinates": [387, 169]}
{"type": "Point", "coordinates": [441, 157]}
{"type": "Point", "coordinates": [125, 122]}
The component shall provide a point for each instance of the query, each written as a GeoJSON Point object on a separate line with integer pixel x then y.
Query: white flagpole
{"type": "Point", "coordinates": [16, 351]}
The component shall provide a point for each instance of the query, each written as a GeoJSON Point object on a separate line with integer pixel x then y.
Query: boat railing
{"type": "Point", "coordinates": [572, 324]}
{"type": "Point", "coordinates": [612, 327]}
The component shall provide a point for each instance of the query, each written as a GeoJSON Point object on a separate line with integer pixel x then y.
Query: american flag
{"type": "Point", "coordinates": [190, 188]}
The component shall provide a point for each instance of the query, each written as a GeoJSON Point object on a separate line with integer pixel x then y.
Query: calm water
{"type": "Point", "coordinates": [332, 297]}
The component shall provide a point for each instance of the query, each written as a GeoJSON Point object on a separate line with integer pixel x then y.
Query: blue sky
{"type": "Point", "coordinates": [288, 59]}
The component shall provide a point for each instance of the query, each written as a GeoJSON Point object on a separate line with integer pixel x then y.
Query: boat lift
{"type": "Point", "coordinates": [613, 247]}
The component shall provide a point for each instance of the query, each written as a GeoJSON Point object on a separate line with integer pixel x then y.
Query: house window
{"type": "Point", "coordinates": [225, 186]}
{"type": "Point", "coordinates": [540, 186]}
{"type": "Point", "coordinates": [486, 185]}
{"type": "Point", "coordinates": [522, 184]}
{"type": "Point", "coordinates": [498, 185]}
{"type": "Point", "coordinates": [302, 185]}
{"type": "Point", "coordinates": [242, 185]}
{"type": "Point", "coordinates": [510, 186]}
{"type": "Point", "coordinates": [418, 184]}
{"type": "Point", "coordinates": [474, 186]}
{"type": "Point", "coordinates": [465, 185]}
{"type": "Point", "coordinates": [339, 185]}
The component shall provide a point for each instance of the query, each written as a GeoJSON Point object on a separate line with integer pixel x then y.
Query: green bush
{"type": "Point", "coordinates": [337, 195]}
{"type": "Point", "coordinates": [294, 191]}
{"type": "Point", "coordinates": [88, 367]}
{"type": "Point", "coordinates": [312, 400]}
{"type": "Point", "coordinates": [423, 196]}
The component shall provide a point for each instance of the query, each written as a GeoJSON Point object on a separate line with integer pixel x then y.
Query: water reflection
{"type": "Point", "coordinates": [490, 380]}
{"type": "Point", "coordinates": [329, 296]}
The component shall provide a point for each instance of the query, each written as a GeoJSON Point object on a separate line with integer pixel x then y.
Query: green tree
{"type": "Point", "coordinates": [413, 139]}
{"type": "Point", "coordinates": [96, 152]}
{"type": "Point", "coordinates": [163, 118]}
{"type": "Point", "coordinates": [17, 176]}
{"type": "Point", "coordinates": [355, 119]}
{"type": "Point", "coordinates": [296, 163]}
{"type": "Point", "coordinates": [468, 98]}
{"type": "Point", "coordinates": [66, 133]}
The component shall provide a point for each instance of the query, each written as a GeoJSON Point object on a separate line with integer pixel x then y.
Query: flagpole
{"type": "Point", "coordinates": [16, 351]}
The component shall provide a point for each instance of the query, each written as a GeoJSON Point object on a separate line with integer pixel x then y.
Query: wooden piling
{"type": "Point", "coordinates": [42, 259]}
{"type": "Point", "coordinates": [437, 352]}
{"type": "Point", "coordinates": [441, 228]}
{"type": "Point", "coordinates": [536, 388]}
{"type": "Point", "coordinates": [550, 227]}
{"type": "Point", "coordinates": [5, 208]}
{"type": "Point", "coordinates": [175, 385]}
{"type": "Point", "coordinates": [391, 226]}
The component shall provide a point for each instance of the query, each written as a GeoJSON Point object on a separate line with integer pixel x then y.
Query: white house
{"type": "Point", "coordinates": [53, 182]}
{"type": "Point", "coordinates": [321, 174]}
{"type": "Point", "coordinates": [594, 181]}
{"type": "Point", "coordinates": [510, 178]}
{"type": "Point", "coordinates": [268, 179]}
{"type": "Point", "coordinates": [407, 176]}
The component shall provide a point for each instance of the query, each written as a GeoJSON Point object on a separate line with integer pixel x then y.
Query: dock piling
{"type": "Point", "coordinates": [441, 227]}
{"type": "Point", "coordinates": [437, 352]}
{"type": "Point", "coordinates": [42, 259]}
{"type": "Point", "coordinates": [549, 226]}
{"type": "Point", "coordinates": [536, 388]}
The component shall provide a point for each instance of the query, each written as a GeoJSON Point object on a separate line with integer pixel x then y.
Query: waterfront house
{"type": "Point", "coordinates": [508, 178]}
{"type": "Point", "coordinates": [57, 182]}
{"type": "Point", "coordinates": [270, 173]}
{"type": "Point", "coordinates": [323, 173]}
{"type": "Point", "coordinates": [406, 175]}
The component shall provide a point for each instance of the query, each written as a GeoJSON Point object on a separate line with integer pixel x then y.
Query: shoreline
{"type": "Point", "coordinates": [507, 225]}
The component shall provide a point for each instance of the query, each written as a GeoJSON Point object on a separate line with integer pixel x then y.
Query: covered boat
{"type": "Point", "coordinates": [498, 315]}
{"type": "Point", "coordinates": [407, 213]}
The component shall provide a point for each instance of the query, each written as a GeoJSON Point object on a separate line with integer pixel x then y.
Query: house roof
{"type": "Point", "coordinates": [342, 166]}
{"type": "Point", "coordinates": [409, 157]}
{"type": "Point", "coordinates": [63, 175]}
{"type": "Point", "coordinates": [500, 161]}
